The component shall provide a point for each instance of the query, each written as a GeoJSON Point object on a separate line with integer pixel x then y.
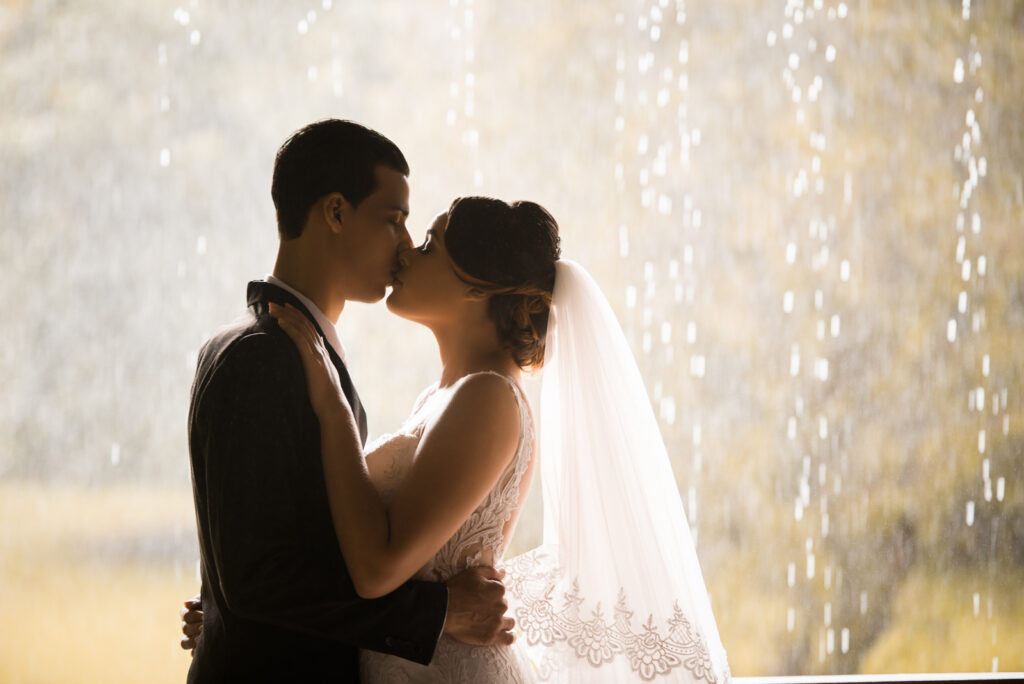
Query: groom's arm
{"type": "Point", "coordinates": [258, 474]}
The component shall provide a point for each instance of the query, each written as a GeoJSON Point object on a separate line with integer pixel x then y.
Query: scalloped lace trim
{"type": "Point", "coordinates": [651, 652]}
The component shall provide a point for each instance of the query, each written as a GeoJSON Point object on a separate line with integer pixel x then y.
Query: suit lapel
{"type": "Point", "coordinates": [261, 293]}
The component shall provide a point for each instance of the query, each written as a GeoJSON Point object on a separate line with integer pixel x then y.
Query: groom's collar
{"type": "Point", "coordinates": [257, 294]}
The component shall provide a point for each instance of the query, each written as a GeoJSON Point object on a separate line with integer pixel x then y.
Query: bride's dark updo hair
{"type": "Point", "coordinates": [508, 250]}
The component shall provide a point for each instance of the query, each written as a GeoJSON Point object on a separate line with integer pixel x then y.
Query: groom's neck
{"type": "Point", "coordinates": [311, 281]}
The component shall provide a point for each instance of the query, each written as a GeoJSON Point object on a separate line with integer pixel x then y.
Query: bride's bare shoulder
{"type": "Point", "coordinates": [482, 407]}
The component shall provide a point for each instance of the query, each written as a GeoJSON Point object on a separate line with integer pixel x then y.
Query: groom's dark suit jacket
{"type": "Point", "coordinates": [277, 599]}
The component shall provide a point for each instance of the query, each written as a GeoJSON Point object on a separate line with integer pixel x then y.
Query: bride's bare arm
{"type": "Point", "coordinates": [459, 460]}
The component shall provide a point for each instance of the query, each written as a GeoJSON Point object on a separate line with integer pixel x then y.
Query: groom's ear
{"type": "Point", "coordinates": [335, 208]}
{"type": "Point", "coordinates": [475, 294]}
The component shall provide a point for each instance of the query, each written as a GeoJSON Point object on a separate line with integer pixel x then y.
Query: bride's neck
{"type": "Point", "coordinates": [470, 349]}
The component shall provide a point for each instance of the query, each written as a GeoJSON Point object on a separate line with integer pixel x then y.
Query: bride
{"type": "Point", "coordinates": [615, 593]}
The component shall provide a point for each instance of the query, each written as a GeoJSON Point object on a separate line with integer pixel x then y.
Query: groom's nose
{"type": "Point", "coordinates": [404, 240]}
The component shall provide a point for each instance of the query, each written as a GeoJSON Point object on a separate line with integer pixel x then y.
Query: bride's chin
{"type": "Point", "coordinates": [393, 305]}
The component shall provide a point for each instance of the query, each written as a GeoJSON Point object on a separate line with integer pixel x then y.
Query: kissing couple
{"type": "Point", "coordinates": [327, 560]}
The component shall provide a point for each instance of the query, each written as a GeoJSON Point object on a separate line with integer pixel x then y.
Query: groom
{"type": "Point", "coordinates": [277, 601]}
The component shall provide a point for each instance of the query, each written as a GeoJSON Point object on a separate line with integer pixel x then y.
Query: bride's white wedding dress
{"type": "Point", "coordinates": [615, 593]}
{"type": "Point", "coordinates": [480, 541]}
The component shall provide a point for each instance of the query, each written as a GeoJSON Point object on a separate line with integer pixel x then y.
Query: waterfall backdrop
{"type": "Point", "coordinates": [808, 216]}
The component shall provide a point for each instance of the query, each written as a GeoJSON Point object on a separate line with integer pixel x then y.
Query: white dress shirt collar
{"type": "Point", "coordinates": [330, 331]}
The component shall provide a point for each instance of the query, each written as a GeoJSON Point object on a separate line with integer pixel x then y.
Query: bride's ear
{"type": "Point", "coordinates": [475, 294]}
{"type": "Point", "coordinates": [335, 208]}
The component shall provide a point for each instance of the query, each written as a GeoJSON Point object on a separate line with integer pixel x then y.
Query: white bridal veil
{"type": "Point", "coordinates": [615, 593]}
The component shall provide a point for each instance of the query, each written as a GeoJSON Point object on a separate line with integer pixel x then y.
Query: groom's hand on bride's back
{"type": "Point", "coordinates": [476, 608]}
{"type": "Point", "coordinates": [191, 623]}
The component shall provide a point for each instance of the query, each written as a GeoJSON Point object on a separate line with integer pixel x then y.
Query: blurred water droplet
{"type": "Point", "coordinates": [821, 369]}
{"type": "Point", "coordinates": [668, 411]}
{"type": "Point", "coordinates": [970, 513]}
{"type": "Point", "coordinates": [958, 71]}
{"type": "Point", "coordinates": [951, 330]}
{"type": "Point", "coordinates": [665, 204]}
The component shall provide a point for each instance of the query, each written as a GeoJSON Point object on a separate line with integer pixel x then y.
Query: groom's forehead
{"type": "Point", "coordinates": [392, 191]}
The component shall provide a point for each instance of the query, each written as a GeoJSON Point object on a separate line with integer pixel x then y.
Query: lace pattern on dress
{"type": "Point", "coordinates": [556, 622]}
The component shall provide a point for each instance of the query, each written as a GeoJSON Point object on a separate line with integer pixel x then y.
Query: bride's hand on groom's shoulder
{"type": "Point", "coordinates": [191, 623]}
{"type": "Point", "coordinates": [325, 393]}
{"type": "Point", "coordinates": [476, 608]}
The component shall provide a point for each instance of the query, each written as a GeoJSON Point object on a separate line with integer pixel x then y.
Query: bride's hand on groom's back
{"type": "Point", "coordinates": [325, 392]}
{"type": "Point", "coordinates": [476, 608]}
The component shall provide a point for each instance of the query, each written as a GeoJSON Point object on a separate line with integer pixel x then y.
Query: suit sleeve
{"type": "Point", "coordinates": [259, 468]}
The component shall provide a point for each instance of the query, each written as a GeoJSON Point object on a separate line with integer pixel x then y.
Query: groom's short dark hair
{"type": "Point", "coordinates": [324, 157]}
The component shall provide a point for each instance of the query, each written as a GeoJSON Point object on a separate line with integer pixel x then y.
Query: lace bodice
{"type": "Point", "coordinates": [481, 540]}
